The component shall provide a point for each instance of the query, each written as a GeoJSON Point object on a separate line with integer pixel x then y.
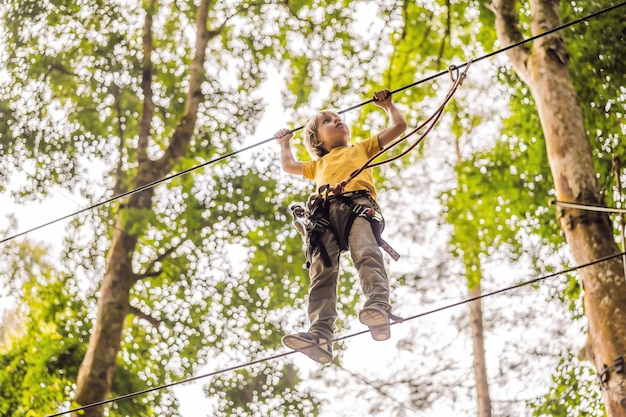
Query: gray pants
{"type": "Point", "coordinates": [367, 259]}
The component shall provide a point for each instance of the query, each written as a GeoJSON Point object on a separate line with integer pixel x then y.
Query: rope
{"type": "Point", "coordinates": [349, 336]}
{"type": "Point", "coordinates": [588, 207]}
{"type": "Point", "coordinates": [431, 122]}
{"type": "Point", "coordinates": [228, 155]}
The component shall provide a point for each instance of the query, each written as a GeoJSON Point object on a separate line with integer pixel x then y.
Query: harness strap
{"type": "Point", "coordinates": [390, 251]}
{"type": "Point", "coordinates": [315, 243]}
{"type": "Point", "coordinates": [319, 223]}
{"type": "Point", "coordinates": [374, 217]}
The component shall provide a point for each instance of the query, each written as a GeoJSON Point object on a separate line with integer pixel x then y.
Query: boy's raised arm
{"type": "Point", "coordinates": [287, 160]}
{"type": "Point", "coordinates": [398, 124]}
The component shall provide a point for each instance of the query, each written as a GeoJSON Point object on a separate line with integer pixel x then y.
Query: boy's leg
{"type": "Point", "coordinates": [323, 287]}
{"type": "Point", "coordinates": [368, 260]}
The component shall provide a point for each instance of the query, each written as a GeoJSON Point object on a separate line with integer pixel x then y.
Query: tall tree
{"type": "Point", "coordinates": [440, 36]}
{"type": "Point", "coordinates": [496, 203]}
{"type": "Point", "coordinates": [147, 89]}
{"type": "Point", "coordinates": [544, 67]}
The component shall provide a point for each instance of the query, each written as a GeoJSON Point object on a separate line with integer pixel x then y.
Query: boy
{"type": "Point", "coordinates": [350, 220]}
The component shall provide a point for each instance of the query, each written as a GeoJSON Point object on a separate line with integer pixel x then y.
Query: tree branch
{"type": "Point", "coordinates": [144, 316]}
{"type": "Point", "coordinates": [397, 53]}
{"type": "Point", "coordinates": [545, 16]}
{"type": "Point", "coordinates": [507, 29]}
{"type": "Point", "coordinates": [119, 187]}
{"type": "Point", "coordinates": [150, 272]}
{"type": "Point", "coordinates": [146, 86]}
{"type": "Point", "coordinates": [379, 388]}
{"type": "Point", "coordinates": [185, 129]}
{"type": "Point", "coordinates": [446, 34]}
{"type": "Point", "coordinates": [60, 68]}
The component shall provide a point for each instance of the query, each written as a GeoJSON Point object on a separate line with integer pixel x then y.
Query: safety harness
{"type": "Point", "coordinates": [317, 221]}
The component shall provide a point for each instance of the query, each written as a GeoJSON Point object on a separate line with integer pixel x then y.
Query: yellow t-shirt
{"type": "Point", "coordinates": [340, 162]}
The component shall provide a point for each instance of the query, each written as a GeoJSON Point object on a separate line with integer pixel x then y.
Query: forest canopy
{"type": "Point", "coordinates": [204, 271]}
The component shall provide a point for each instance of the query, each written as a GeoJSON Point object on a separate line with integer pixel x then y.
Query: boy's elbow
{"type": "Point", "coordinates": [399, 128]}
{"type": "Point", "coordinates": [287, 168]}
{"type": "Point", "coordinates": [292, 168]}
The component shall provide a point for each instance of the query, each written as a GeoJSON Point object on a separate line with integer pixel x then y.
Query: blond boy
{"type": "Point", "coordinates": [350, 221]}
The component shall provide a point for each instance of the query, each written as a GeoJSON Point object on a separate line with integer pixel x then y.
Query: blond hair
{"type": "Point", "coordinates": [312, 141]}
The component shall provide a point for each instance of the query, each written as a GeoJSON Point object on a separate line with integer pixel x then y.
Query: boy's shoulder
{"type": "Point", "coordinates": [369, 143]}
{"type": "Point", "coordinates": [364, 141]}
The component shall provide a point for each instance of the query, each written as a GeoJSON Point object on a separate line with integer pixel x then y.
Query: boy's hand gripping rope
{"type": "Point", "coordinates": [457, 78]}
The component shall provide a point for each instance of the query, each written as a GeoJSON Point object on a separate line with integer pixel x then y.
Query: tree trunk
{"type": "Point", "coordinates": [476, 321]}
{"type": "Point", "coordinates": [478, 343]}
{"type": "Point", "coordinates": [544, 68]}
{"type": "Point", "coordinates": [96, 372]}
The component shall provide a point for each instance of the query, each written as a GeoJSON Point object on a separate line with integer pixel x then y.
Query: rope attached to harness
{"type": "Point", "coordinates": [318, 209]}
{"type": "Point", "coordinates": [457, 78]}
{"type": "Point", "coordinates": [312, 221]}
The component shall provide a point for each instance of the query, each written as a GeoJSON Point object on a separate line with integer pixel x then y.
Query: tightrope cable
{"type": "Point", "coordinates": [349, 336]}
{"type": "Point", "coordinates": [247, 148]}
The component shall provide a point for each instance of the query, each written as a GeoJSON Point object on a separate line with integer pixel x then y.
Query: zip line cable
{"type": "Point", "coordinates": [338, 339]}
{"type": "Point", "coordinates": [247, 148]}
{"type": "Point", "coordinates": [588, 207]}
{"type": "Point", "coordinates": [457, 81]}
{"type": "Point", "coordinates": [499, 51]}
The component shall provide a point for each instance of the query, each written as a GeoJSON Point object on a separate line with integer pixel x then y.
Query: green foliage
{"type": "Point", "coordinates": [44, 340]}
{"type": "Point", "coordinates": [573, 392]}
{"type": "Point", "coordinates": [324, 46]}
{"type": "Point", "coordinates": [517, 169]}
{"type": "Point", "coordinates": [599, 74]}
{"type": "Point", "coordinates": [43, 344]}
{"type": "Point", "coordinates": [266, 391]}
{"type": "Point", "coordinates": [300, 84]}
{"type": "Point", "coordinates": [496, 200]}
{"type": "Point", "coordinates": [572, 296]}
{"type": "Point", "coordinates": [135, 221]}
{"type": "Point", "coordinates": [74, 99]}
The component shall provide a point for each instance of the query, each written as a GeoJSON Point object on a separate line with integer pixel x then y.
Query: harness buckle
{"type": "Point", "coordinates": [320, 225]}
{"type": "Point", "coordinates": [365, 211]}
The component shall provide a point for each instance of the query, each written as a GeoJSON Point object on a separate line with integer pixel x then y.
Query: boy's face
{"type": "Point", "coordinates": [332, 131]}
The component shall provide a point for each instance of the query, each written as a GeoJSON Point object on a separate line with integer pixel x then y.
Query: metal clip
{"type": "Point", "coordinates": [605, 374]}
{"type": "Point", "coordinates": [603, 377]}
{"type": "Point", "coordinates": [339, 188]}
{"type": "Point", "coordinates": [453, 71]}
{"type": "Point", "coordinates": [464, 73]}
